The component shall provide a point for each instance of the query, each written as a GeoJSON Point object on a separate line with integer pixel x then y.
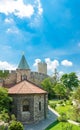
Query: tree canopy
{"type": "Point", "coordinates": [48, 86]}
{"type": "Point", "coordinates": [76, 95]}
{"type": "Point", "coordinates": [4, 99]}
{"type": "Point", "coordinates": [3, 74]}
{"type": "Point", "coordinates": [60, 90]}
{"type": "Point", "coordinates": [70, 80]}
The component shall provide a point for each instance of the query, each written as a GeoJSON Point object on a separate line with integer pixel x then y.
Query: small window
{"type": "Point", "coordinates": [25, 107]}
{"type": "Point", "coordinates": [39, 106]}
{"type": "Point", "coordinates": [23, 77]}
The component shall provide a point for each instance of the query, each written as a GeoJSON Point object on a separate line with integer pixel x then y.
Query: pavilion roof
{"type": "Point", "coordinates": [26, 87]}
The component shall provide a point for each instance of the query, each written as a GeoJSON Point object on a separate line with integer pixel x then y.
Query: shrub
{"type": "Point", "coordinates": [62, 118]}
{"type": "Point", "coordinates": [70, 102]}
{"type": "Point", "coordinates": [52, 105]}
{"type": "Point", "coordinates": [4, 99]}
{"type": "Point", "coordinates": [13, 118]}
{"type": "Point", "coordinates": [4, 127]}
{"type": "Point", "coordinates": [61, 102]}
{"type": "Point", "coordinates": [4, 116]}
{"type": "Point", "coordinates": [65, 100]}
{"type": "Point", "coordinates": [76, 113]}
{"type": "Point", "coordinates": [15, 125]}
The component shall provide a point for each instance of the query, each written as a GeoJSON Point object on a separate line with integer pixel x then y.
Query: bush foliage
{"type": "Point", "coordinates": [15, 125]}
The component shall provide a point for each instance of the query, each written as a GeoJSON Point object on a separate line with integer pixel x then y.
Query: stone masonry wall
{"type": "Point", "coordinates": [45, 105]}
{"type": "Point", "coordinates": [22, 72]}
{"type": "Point", "coordinates": [26, 117]}
{"type": "Point", "coordinates": [34, 114]}
{"type": "Point", "coordinates": [37, 78]}
{"type": "Point", "coordinates": [38, 114]}
{"type": "Point", "coordinates": [15, 77]}
{"type": "Point", "coordinates": [10, 80]}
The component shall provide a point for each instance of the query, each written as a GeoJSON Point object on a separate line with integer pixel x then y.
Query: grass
{"type": "Point", "coordinates": [55, 101]}
{"type": "Point", "coordinates": [65, 109]}
{"type": "Point", "coordinates": [62, 107]}
{"type": "Point", "coordinates": [62, 126]}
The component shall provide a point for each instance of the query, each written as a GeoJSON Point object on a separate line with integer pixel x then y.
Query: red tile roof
{"type": "Point", "coordinates": [26, 87]}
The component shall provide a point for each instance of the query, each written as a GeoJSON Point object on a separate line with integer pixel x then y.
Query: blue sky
{"type": "Point", "coordinates": [46, 31]}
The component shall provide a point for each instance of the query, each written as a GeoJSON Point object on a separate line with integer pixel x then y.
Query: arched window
{"type": "Point", "coordinates": [23, 77]}
{"type": "Point", "coordinates": [25, 105]}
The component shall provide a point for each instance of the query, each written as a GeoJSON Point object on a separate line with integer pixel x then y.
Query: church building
{"type": "Point", "coordinates": [30, 101]}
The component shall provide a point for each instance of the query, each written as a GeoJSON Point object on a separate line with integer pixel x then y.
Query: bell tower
{"type": "Point", "coordinates": [23, 70]}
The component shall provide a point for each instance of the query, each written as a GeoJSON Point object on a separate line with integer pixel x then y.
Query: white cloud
{"type": "Point", "coordinates": [12, 30]}
{"type": "Point", "coordinates": [36, 62]}
{"type": "Point", "coordinates": [61, 73]}
{"type": "Point", "coordinates": [66, 63]}
{"type": "Point", "coordinates": [4, 65]}
{"type": "Point", "coordinates": [23, 9]}
{"type": "Point", "coordinates": [17, 7]}
{"type": "Point", "coordinates": [20, 9]}
{"type": "Point", "coordinates": [40, 9]}
{"type": "Point", "coordinates": [9, 20]}
{"type": "Point", "coordinates": [51, 64]}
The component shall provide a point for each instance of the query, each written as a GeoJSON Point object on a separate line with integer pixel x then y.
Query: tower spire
{"type": "Point", "coordinates": [23, 63]}
{"type": "Point", "coordinates": [23, 53]}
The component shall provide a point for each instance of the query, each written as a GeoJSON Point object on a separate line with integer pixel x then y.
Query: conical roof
{"type": "Point", "coordinates": [23, 63]}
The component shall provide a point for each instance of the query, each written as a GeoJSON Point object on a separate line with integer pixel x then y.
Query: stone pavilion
{"type": "Point", "coordinates": [29, 100]}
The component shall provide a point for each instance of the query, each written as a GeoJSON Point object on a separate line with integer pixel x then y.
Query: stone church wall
{"type": "Point", "coordinates": [34, 114]}
{"type": "Point", "coordinates": [46, 105]}
{"type": "Point", "coordinates": [20, 73]}
{"type": "Point", "coordinates": [26, 117]}
{"type": "Point", "coordinates": [39, 114]}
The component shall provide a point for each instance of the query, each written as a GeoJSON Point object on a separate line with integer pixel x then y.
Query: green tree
{"type": "Point", "coordinates": [48, 86]}
{"type": "Point", "coordinates": [76, 97]}
{"type": "Point", "coordinates": [4, 74]}
{"type": "Point", "coordinates": [63, 117]}
{"type": "Point", "coordinates": [60, 91]}
{"type": "Point", "coordinates": [4, 116]}
{"type": "Point", "coordinates": [4, 99]}
{"type": "Point", "coordinates": [70, 80]}
{"type": "Point", "coordinates": [16, 125]}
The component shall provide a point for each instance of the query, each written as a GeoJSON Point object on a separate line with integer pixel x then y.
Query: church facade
{"type": "Point", "coordinates": [30, 101]}
{"type": "Point", "coordinates": [24, 71]}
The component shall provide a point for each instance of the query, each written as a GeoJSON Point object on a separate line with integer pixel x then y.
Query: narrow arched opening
{"type": "Point", "coordinates": [25, 106]}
